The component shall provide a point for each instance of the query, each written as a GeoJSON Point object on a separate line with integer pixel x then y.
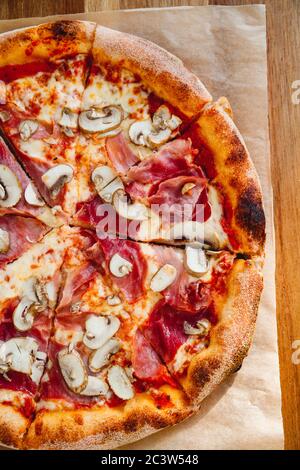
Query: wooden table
{"type": "Point", "coordinates": [283, 32]}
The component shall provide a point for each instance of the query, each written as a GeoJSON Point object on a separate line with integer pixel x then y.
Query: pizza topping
{"type": "Point", "coordinates": [131, 211]}
{"type": "Point", "coordinates": [2, 92]}
{"type": "Point", "coordinates": [162, 119]}
{"type": "Point", "coordinates": [4, 116]}
{"type": "Point", "coordinates": [32, 197]}
{"type": "Point", "coordinates": [102, 176]}
{"type": "Point", "coordinates": [57, 177]}
{"type": "Point", "coordinates": [100, 119]}
{"type": "Point", "coordinates": [202, 328]}
{"type": "Point", "coordinates": [145, 361]}
{"type": "Point", "coordinates": [4, 241]}
{"type": "Point", "coordinates": [68, 119]}
{"type": "Point", "coordinates": [100, 329]}
{"type": "Point", "coordinates": [100, 357]}
{"type": "Point", "coordinates": [164, 277]}
{"type": "Point", "coordinates": [120, 153]}
{"type": "Point", "coordinates": [139, 131]}
{"type": "Point", "coordinates": [195, 260]}
{"type": "Point", "coordinates": [10, 188]}
{"type": "Point", "coordinates": [107, 193]}
{"type": "Point", "coordinates": [73, 370]}
{"type": "Point", "coordinates": [18, 354]}
{"type": "Point", "coordinates": [119, 266]}
{"type": "Point", "coordinates": [187, 188]}
{"type": "Point", "coordinates": [120, 383]}
{"type": "Point", "coordinates": [23, 316]}
{"type": "Point", "coordinates": [113, 300]}
{"type": "Point", "coordinates": [95, 387]}
{"type": "Point", "coordinates": [27, 128]}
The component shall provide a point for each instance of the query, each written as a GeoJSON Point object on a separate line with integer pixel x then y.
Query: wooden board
{"type": "Point", "coordinates": [283, 33]}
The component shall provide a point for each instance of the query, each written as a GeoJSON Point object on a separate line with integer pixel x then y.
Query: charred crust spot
{"type": "Point", "coordinates": [238, 154]}
{"type": "Point", "coordinates": [131, 425]}
{"type": "Point", "coordinates": [64, 29]}
{"type": "Point", "coordinates": [203, 374]}
{"type": "Point", "coordinates": [250, 214]}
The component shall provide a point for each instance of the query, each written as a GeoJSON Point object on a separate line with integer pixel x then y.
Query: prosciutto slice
{"type": "Point", "coordinates": [23, 232]}
{"type": "Point", "coordinates": [119, 153]}
{"type": "Point", "coordinates": [131, 285]}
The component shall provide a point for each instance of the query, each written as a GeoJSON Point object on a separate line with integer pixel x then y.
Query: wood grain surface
{"type": "Point", "coordinates": [283, 33]}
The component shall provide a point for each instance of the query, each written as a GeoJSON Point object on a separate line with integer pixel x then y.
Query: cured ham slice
{"type": "Point", "coordinates": [119, 153]}
{"type": "Point", "coordinates": [22, 232]}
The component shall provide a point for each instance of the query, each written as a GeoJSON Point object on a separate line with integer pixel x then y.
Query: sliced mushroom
{"type": "Point", "coordinates": [51, 293]}
{"type": "Point", "coordinates": [139, 131]}
{"type": "Point", "coordinates": [174, 122]}
{"type": "Point", "coordinates": [119, 266]}
{"type": "Point", "coordinates": [195, 260]}
{"type": "Point", "coordinates": [164, 277]}
{"type": "Point", "coordinates": [100, 329]}
{"type": "Point", "coordinates": [120, 383]}
{"type": "Point", "coordinates": [23, 315]}
{"type": "Point", "coordinates": [95, 387]}
{"type": "Point", "coordinates": [102, 176]}
{"type": "Point", "coordinates": [4, 116]}
{"type": "Point", "coordinates": [73, 370]}
{"type": "Point", "coordinates": [113, 300]}
{"type": "Point", "coordinates": [27, 128]}
{"type": "Point", "coordinates": [100, 119]}
{"type": "Point", "coordinates": [19, 354]}
{"type": "Point", "coordinates": [10, 187]}
{"type": "Point", "coordinates": [68, 119]}
{"type": "Point", "coordinates": [159, 137]}
{"type": "Point", "coordinates": [135, 211]}
{"type": "Point", "coordinates": [100, 358]}
{"type": "Point", "coordinates": [202, 328]}
{"type": "Point", "coordinates": [32, 197]}
{"type": "Point", "coordinates": [187, 187]}
{"type": "Point", "coordinates": [2, 92]}
{"type": "Point", "coordinates": [57, 177]}
{"type": "Point", "coordinates": [38, 366]}
{"type": "Point", "coordinates": [161, 117]}
{"type": "Point", "coordinates": [107, 193]}
{"type": "Point", "coordinates": [4, 241]}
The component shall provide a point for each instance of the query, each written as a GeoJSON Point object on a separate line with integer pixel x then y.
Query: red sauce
{"type": "Point", "coordinates": [162, 400]}
{"type": "Point", "coordinates": [154, 102]}
{"type": "Point", "coordinates": [114, 401]}
{"type": "Point", "coordinates": [8, 73]}
{"type": "Point", "coordinates": [28, 407]}
{"type": "Point", "coordinates": [204, 157]}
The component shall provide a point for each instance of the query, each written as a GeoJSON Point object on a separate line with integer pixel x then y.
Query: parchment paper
{"type": "Point", "coordinates": [226, 48]}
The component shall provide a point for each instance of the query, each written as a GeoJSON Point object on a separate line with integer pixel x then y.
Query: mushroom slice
{"type": "Point", "coordinates": [156, 138]}
{"type": "Point", "coordinates": [57, 177]}
{"type": "Point", "coordinates": [107, 193]}
{"type": "Point", "coordinates": [100, 358]}
{"type": "Point", "coordinates": [95, 387]}
{"type": "Point", "coordinates": [195, 260]}
{"type": "Point", "coordinates": [174, 122]}
{"type": "Point", "coordinates": [68, 119]}
{"type": "Point", "coordinates": [23, 315]}
{"type": "Point", "coordinates": [73, 370]}
{"type": "Point", "coordinates": [113, 300]}
{"type": "Point", "coordinates": [120, 383]}
{"type": "Point", "coordinates": [202, 328]}
{"type": "Point", "coordinates": [102, 176]}
{"type": "Point", "coordinates": [100, 329]}
{"type": "Point", "coordinates": [100, 119]}
{"type": "Point", "coordinates": [4, 241]}
{"type": "Point", "coordinates": [2, 92]}
{"type": "Point", "coordinates": [19, 354]}
{"type": "Point", "coordinates": [4, 116]}
{"type": "Point", "coordinates": [136, 211]}
{"type": "Point", "coordinates": [139, 131]}
{"type": "Point", "coordinates": [187, 187]}
{"type": "Point", "coordinates": [161, 117]}
{"type": "Point", "coordinates": [27, 128]}
{"type": "Point", "coordinates": [10, 188]}
{"type": "Point", "coordinates": [119, 266]}
{"type": "Point", "coordinates": [164, 277]}
{"type": "Point", "coordinates": [32, 197]}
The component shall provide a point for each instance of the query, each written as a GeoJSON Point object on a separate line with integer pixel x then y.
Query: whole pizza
{"type": "Point", "coordinates": [132, 236]}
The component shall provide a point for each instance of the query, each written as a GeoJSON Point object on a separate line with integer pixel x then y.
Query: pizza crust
{"type": "Point", "coordinates": [103, 428]}
{"type": "Point", "coordinates": [231, 337]}
{"type": "Point", "coordinates": [161, 71]}
{"type": "Point", "coordinates": [13, 426]}
{"type": "Point", "coordinates": [236, 177]}
{"type": "Point", "coordinates": [51, 41]}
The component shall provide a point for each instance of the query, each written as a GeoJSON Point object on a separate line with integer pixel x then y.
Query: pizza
{"type": "Point", "coordinates": [132, 235]}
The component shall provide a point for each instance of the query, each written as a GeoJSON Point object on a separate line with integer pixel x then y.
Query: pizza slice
{"type": "Point", "coordinates": [104, 384]}
{"type": "Point", "coordinates": [29, 289]}
{"type": "Point", "coordinates": [196, 308]}
{"type": "Point", "coordinates": [43, 72]}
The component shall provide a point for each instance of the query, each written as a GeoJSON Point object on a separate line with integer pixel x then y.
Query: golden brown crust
{"type": "Point", "coordinates": [231, 338]}
{"type": "Point", "coordinates": [48, 41]}
{"type": "Point", "coordinates": [13, 426]}
{"type": "Point", "coordinates": [236, 178]}
{"type": "Point", "coordinates": [161, 71]}
{"type": "Point", "coordinates": [103, 428]}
